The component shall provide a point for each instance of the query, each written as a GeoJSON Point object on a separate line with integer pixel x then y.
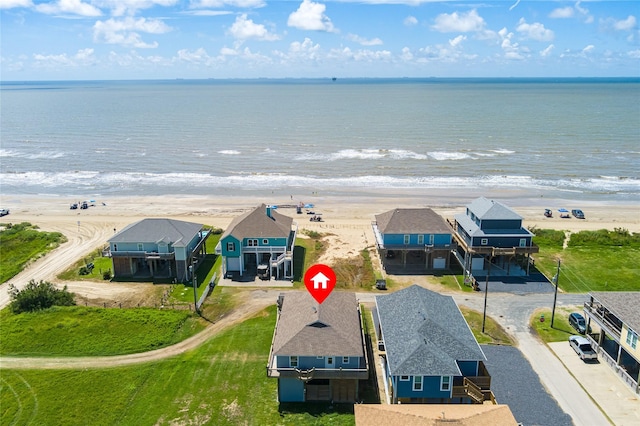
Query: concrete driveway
{"type": "Point", "coordinates": [613, 396]}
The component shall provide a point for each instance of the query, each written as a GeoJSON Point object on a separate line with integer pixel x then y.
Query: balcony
{"type": "Point", "coordinates": [605, 320]}
{"type": "Point", "coordinates": [319, 373]}
{"type": "Point", "coordinates": [143, 255]}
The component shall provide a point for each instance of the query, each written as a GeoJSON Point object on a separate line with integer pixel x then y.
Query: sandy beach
{"type": "Point", "coordinates": [347, 222]}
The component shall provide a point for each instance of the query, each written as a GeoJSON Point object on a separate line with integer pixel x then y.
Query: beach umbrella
{"type": "Point", "coordinates": [563, 210]}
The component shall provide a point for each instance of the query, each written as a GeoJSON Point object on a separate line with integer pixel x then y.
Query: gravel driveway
{"type": "Point", "coordinates": [514, 382]}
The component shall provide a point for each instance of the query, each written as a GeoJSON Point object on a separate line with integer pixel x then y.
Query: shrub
{"type": "Point", "coordinates": [37, 296]}
{"type": "Point", "coordinates": [548, 237]}
{"type": "Point", "coordinates": [106, 275]}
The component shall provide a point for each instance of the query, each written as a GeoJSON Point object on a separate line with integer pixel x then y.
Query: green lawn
{"type": "Point", "coordinates": [223, 382]}
{"type": "Point", "coordinates": [82, 331]}
{"type": "Point", "coordinates": [493, 334]}
{"type": "Point", "coordinates": [593, 262]}
{"type": "Point", "coordinates": [22, 243]}
{"type": "Point", "coordinates": [561, 329]}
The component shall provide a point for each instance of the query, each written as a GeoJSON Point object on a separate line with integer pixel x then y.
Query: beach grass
{"type": "Point", "coordinates": [88, 331]}
{"type": "Point", "coordinates": [22, 243]}
{"type": "Point", "coordinates": [591, 260]}
{"type": "Point", "coordinates": [222, 382]}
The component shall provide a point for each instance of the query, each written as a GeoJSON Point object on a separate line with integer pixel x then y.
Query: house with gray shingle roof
{"type": "Point", "coordinates": [431, 355]}
{"type": "Point", "coordinates": [318, 351]}
{"type": "Point", "coordinates": [615, 319]}
{"type": "Point", "coordinates": [414, 238]}
{"type": "Point", "coordinates": [157, 248]}
{"type": "Point", "coordinates": [490, 234]}
{"type": "Point", "coordinates": [261, 236]}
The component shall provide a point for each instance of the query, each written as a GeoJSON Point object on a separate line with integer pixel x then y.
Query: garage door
{"type": "Point", "coordinates": [233, 264]}
{"type": "Point", "coordinates": [439, 263]}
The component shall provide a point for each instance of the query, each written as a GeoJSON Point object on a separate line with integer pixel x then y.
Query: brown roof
{"type": "Point", "coordinates": [624, 304]}
{"type": "Point", "coordinates": [257, 224]}
{"type": "Point", "coordinates": [433, 414]}
{"type": "Point", "coordinates": [412, 221]}
{"type": "Point", "coordinates": [306, 328]}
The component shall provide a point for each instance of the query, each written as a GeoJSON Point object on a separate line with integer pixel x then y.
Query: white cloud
{"type": "Point", "coordinates": [588, 49]}
{"type": "Point", "coordinates": [198, 56]}
{"type": "Point", "coordinates": [456, 41]}
{"type": "Point", "coordinates": [310, 16]}
{"type": "Point", "coordinates": [510, 49]}
{"type": "Point", "coordinates": [513, 6]}
{"type": "Point", "coordinates": [130, 7]}
{"type": "Point", "coordinates": [635, 54]}
{"type": "Point", "coordinates": [10, 4]}
{"type": "Point", "coordinates": [406, 54]}
{"type": "Point", "coordinates": [547, 51]}
{"type": "Point", "coordinates": [83, 57]}
{"type": "Point", "coordinates": [246, 4]}
{"type": "Point", "coordinates": [73, 7]}
{"type": "Point", "coordinates": [626, 24]}
{"type": "Point", "coordinates": [535, 31]}
{"type": "Point", "coordinates": [562, 12]}
{"type": "Point", "coordinates": [244, 29]}
{"type": "Point", "coordinates": [410, 21]}
{"type": "Point", "coordinates": [463, 22]}
{"type": "Point", "coordinates": [363, 41]}
{"type": "Point", "coordinates": [125, 31]}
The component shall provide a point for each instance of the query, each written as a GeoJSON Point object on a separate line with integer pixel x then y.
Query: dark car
{"type": "Point", "coordinates": [577, 213]}
{"type": "Point", "coordinates": [577, 321]}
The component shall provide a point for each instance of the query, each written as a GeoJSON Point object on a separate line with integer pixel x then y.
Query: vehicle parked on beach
{"type": "Point", "coordinates": [548, 213]}
{"type": "Point", "coordinates": [577, 213]}
{"type": "Point", "coordinates": [4, 212]}
{"type": "Point", "coordinates": [583, 348]}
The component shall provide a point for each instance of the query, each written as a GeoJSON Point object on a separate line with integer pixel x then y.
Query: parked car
{"type": "Point", "coordinates": [583, 348]}
{"type": "Point", "coordinates": [73, 206]}
{"type": "Point", "coordinates": [4, 212]}
{"type": "Point", "coordinates": [548, 213]}
{"type": "Point", "coordinates": [577, 213]}
{"type": "Point", "coordinates": [577, 321]}
{"type": "Point", "coordinates": [263, 272]}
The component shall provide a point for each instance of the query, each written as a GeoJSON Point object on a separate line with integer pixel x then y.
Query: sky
{"type": "Point", "coordinates": [199, 39]}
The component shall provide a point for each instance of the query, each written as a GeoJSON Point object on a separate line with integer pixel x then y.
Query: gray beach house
{"type": "Point", "coordinates": [157, 248]}
{"type": "Point", "coordinates": [318, 350]}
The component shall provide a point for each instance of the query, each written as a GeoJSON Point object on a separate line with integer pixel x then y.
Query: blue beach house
{"type": "Point", "coordinates": [430, 355]}
{"type": "Point", "coordinates": [157, 248]}
{"type": "Point", "coordinates": [318, 350]}
{"type": "Point", "coordinates": [413, 239]}
{"type": "Point", "coordinates": [490, 232]}
{"type": "Point", "coordinates": [261, 236]}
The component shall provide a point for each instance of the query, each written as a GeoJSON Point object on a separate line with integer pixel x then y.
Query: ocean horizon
{"type": "Point", "coordinates": [556, 137]}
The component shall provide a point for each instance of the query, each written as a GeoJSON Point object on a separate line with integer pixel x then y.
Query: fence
{"type": "Point", "coordinates": [207, 290]}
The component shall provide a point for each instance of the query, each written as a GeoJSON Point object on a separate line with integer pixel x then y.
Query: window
{"type": "Point", "coordinates": [265, 242]}
{"type": "Point", "coordinates": [484, 241]}
{"type": "Point", "coordinates": [140, 247]}
{"type": "Point", "coordinates": [293, 361]}
{"type": "Point", "coordinates": [417, 383]}
{"type": "Point", "coordinates": [420, 239]}
{"type": "Point", "coordinates": [445, 383]}
{"type": "Point", "coordinates": [404, 378]}
{"type": "Point", "coordinates": [252, 243]}
{"type": "Point", "coordinates": [319, 357]}
{"type": "Point", "coordinates": [345, 360]}
{"type": "Point", "coordinates": [231, 247]}
{"type": "Point", "coordinates": [407, 239]}
{"type": "Point", "coordinates": [431, 238]}
{"type": "Point", "coordinates": [523, 242]}
{"type": "Point", "coordinates": [632, 338]}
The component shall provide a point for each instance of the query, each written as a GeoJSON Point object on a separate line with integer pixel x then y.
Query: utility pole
{"type": "Point", "coordinates": [555, 293]}
{"type": "Point", "coordinates": [486, 290]}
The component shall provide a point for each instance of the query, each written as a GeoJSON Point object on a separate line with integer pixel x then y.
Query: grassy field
{"type": "Point", "coordinates": [82, 331]}
{"type": "Point", "coordinates": [22, 243]}
{"type": "Point", "coordinates": [223, 382]}
{"type": "Point", "coordinates": [592, 261]}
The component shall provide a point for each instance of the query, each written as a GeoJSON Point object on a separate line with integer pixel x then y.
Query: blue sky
{"type": "Point", "coordinates": [166, 39]}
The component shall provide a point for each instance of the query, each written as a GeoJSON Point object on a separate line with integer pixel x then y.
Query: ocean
{"type": "Point", "coordinates": [570, 138]}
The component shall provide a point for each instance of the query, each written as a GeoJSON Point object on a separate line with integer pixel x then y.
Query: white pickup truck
{"type": "Point", "coordinates": [583, 348]}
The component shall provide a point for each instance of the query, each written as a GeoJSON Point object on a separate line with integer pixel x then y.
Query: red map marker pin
{"type": "Point", "coordinates": [320, 281]}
